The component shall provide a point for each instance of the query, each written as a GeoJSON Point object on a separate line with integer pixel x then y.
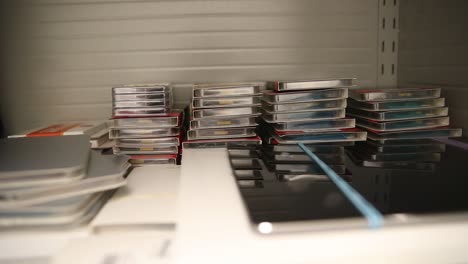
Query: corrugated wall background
{"type": "Point", "coordinates": [433, 51]}
{"type": "Point", "coordinates": [60, 57]}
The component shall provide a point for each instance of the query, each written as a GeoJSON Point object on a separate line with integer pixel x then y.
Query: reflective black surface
{"type": "Point", "coordinates": [442, 188]}
{"type": "Point", "coordinates": [283, 196]}
{"type": "Point", "coordinates": [408, 186]}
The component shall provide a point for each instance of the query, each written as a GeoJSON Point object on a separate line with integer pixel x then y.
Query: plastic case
{"type": "Point", "coordinates": [104, 172]}
{"type": "Point", "coordinates": [143, 132]}
{"type": "Point", "coordinates": [311, 126]}
{"type": "Point", "coordinates": [415, 134]}
{"type": "Point", "coordinates": [433, 157]}
{"type": "Point", "coordinates": [142, 88]}
{"type": "Point", "coordinates": [249, 184]}
{"type": "Point", "coordinates": [142, 160]}
{"type": "Point", "coordinates": [223, 122]}
{"type": "Point", "coordinates": [303, 116]}
{"type": "Point", "coordinates": [302, 107]}
{"type": "Point", "coordinates": [61, 206]}
{"type": "Point", "coordinates": [296, 97]}
{"type": "Point", "coordinates": [223, 112]}
{"type": "Point", "coordinates": [280, 86]}
{"type": "Point", "coordinates": [140, 112]}
{"type": "Point", "coordinates": [318, 137]}
{"type": "Point", "coordinates": [148, 142]}
{"type": "Point", "coordinates": [426, 166]}
{"type": "Point", "coordinates": [142, 96]}
{"type": "Point", "coordinates": [397, 142]}
{"type": "Point", "coordinates": [146, 150]}
{"type": "Point", "coordinates": [402, 148]}
{"type": "Point", "coordinates": [397, 105]}
{"type": "Point", "coordinates": [404, 125]}
{"type": "Point", "coordinates": [248, 174]}
{"type": "Point", "coordinates": [55, 220]}
{"type": "Point", "coordinates": [393, 94]}
{"type": "Point", "coordinates": [245, 164]}
{"type": "Point", "coordinates": [141, 103]}
{"type": "Point", "coordinates": [407, 165]}
{"type": "Point", "coordinates": [326, 149]}
{"type": "Point", "coordinates": [292, 177]}
{"type": "Point", "coordinates": [41, 161]}
{"type": "Point", "coordinates": [163, 121]}
{"type": "Point", "coordinates": [286, 157]}
{"type": "Point", "coordinates": [222, 143]}
{"type": "Point", "coordinates": [400, 114]}
{"type": "Point", "coordinates": [223, 90]}
{"type": "Point", "coordinates": [216, 133]}
{"type": "Point", "coordinates": [242, 153]}
{"type": "Point", "coordinates": [305, 168]}
{"type": "Point", "coordinates": [226, 102]}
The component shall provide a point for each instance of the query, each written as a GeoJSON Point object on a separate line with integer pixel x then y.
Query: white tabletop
{"type": "Point", "coordinates": [145, 207]}
{"type": "Point", "coordinates": [149, 198]}
{"type": "Point", "coordinates": [211, 226]}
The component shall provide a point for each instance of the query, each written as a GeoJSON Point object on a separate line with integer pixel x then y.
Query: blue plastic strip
{"type": "Point", "coordinates": [452, 142]}
{"type": "Point", "coordinates": [373, 216]}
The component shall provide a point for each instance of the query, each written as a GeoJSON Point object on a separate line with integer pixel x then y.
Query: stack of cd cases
{"type": "Point", "coordinates": [55, 182]}
{"type": "Point", "coordinates": [222, 114]}
{"type": "Point", "coordinates": [401, 125]}
{"type": "Point", "coordinates": [145, 125]}
{"type": "Point", "coordinates": [311, 112]}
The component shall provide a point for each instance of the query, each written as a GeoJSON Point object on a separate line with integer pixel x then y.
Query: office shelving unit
{"type": "Point", "coordinates": [61, 58]}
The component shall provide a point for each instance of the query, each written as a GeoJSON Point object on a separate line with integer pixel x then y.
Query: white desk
{"type": "Point", "coordinates": [144, 210]}
{"type": "Point", "coordinates": [149, 199]}
{"type": "Point", "coordinates": [213, 227]}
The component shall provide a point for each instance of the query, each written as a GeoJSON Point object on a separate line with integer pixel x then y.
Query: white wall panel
{"type": "Point", "coordinates": [62, 57]}
{"type": "Point", "coordinates": [434, 51]}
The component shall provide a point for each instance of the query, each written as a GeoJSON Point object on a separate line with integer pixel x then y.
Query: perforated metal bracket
{"type": "Point", "coordinates": [387, 46]}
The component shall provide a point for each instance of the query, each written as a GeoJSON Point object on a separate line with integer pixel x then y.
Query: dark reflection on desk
{"type": "Point", "coordinates": [422, 177]}
{"type": "Point", "coordinates": [284, 185]}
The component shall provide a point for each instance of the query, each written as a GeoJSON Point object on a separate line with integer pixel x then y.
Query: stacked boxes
{"type": "Point", "coordinates": [146, 127]}
{"type": "Point", "coordinates": [401, 125]}
{"type": "Point", "coordinates": [55, 181]}
{"type": "Point", "coordinates": [222, 114]}
{"type": "Point", "coordinates": [309, 112]}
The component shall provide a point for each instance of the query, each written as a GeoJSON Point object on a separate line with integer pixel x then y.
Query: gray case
{"type": "Point", "coordinates": [53, 159]}
{"type": "Point", "coordinates": [142, 88]}
{"type": "Point", "coordinates": [223, 122]}
{"type": "Point", "coordinates": [118, 133]}
{"type": "Point", "coordinates": [216, 133]}
{"type": "Point", "coordinates": [105, 172]}
{"type": "Point", "coordinates": [224, 112]}
{"type": "Point", "coordinates": [304, 116]}
{"type": "Point", "coordinates": [313, 126]}
{"type": "Point", "coordinates": [308, 106]}
{"type": "Point", "coordinates": [222, 90]}
{"type": "Point", "coordinates": [394, 94]}
{"type": "Point", "coordinates": [304, 96]}
{"type": "Point", "coordinates": [237, 101]}
{"type": "Point", "coordinates": [55, 220]}
{"type": "Point", "coordinates": [147, 142]}
{"type": "Point", "coordinates": [141, 103]}
{"type": "Point", "coordinates": [146, 150]}
{"type": "Point", "coordinates": [309, 84]}
{"type": "Point", "coordinates": [68, 205]}
{"type": "Point", "coordinates": [142, 96]}
{"type": "Point", "coordinates": [156, 122]}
